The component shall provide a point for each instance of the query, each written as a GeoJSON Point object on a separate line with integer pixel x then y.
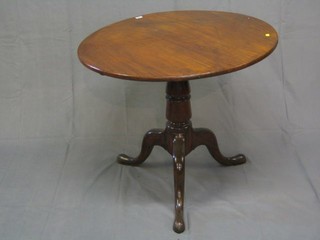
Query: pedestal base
{"type": "Point", "coordinates": [179, 139]}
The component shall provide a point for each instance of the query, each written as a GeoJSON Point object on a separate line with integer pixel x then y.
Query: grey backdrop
{"type": "Point", "coordinates": [61, 127]}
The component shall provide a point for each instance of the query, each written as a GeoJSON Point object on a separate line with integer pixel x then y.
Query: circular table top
{"type": "Point", "coordinates": [178, 45]}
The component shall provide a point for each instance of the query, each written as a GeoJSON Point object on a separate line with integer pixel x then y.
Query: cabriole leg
{"type": "Point", "coordinates": [178, 166]}
{"type": "Point", "coordinates": [204, 136]}
{"type": "Point", "coordinates": [151, 138]}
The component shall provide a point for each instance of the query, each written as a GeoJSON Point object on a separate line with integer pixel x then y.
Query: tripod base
{"type": "Point", "coordinates": [179, 139]}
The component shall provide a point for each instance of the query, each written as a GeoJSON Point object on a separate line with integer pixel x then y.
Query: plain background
{"type": "Point", "coordinates": [62, 126]}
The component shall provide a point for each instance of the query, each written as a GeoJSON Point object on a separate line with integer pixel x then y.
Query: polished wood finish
{"type": "Point", "coordinates": [177, 46]}
{"type": "Point", "coordinates": [179, 139]}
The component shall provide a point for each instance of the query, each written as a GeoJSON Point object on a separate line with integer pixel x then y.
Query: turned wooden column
{"type": "Point", "coordinates": [178, 103]}
{"type": "Point", "coordinates": [178, 114]}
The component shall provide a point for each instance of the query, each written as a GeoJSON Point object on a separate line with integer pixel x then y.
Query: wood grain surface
{"type": "Point", "coordinates": [178, 45]}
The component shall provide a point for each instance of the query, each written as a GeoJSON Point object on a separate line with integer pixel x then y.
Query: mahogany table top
{"type": "Point", "coordinates": [178, 45]}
